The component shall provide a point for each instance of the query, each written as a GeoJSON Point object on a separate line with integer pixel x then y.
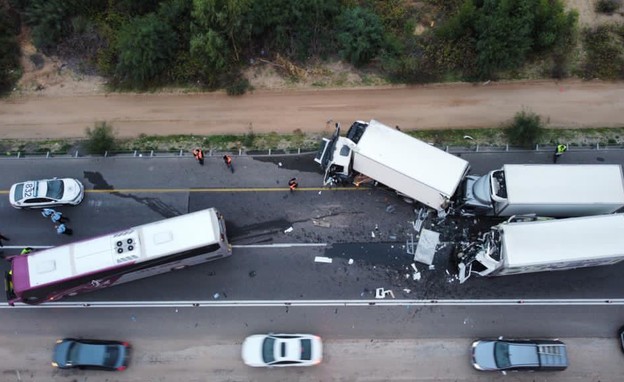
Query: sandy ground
{"type": "Point", "coordinates": [563, 104]}
{"type": "Point", "coordinates": [52, 101]}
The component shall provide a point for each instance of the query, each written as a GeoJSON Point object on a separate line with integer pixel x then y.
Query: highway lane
{"type": "Point", "coordinates": [364, 343]}
{"type": "Point", "coordinates": [129, 191]}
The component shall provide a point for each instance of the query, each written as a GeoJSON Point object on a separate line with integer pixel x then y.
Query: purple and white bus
{"type": "Point", "coordinates": [132, 254]}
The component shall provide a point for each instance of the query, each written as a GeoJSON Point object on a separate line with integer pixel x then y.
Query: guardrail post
{"type": "Point", "coordinates": [269, 151]}
{"type": "Point", "coordinates": [446, 148]}
{"type": "Point", "coordinates": [105, 153]}
{"type": "Point", "coordinates": [151, 153]}
{"type": "Point", "coordinates": [76, 155]}
{"type": "Point", "coordinates": [47, 154]}
{"type": "Point", "coordinates": [537, 147]}
{"type": "Point", "coordinates": [597, 146]}
{"type": "Point", "coordinates": [477, 149]}
{"type": "Point", "coordinates": [507, 147]}
{"type": "Point", "coordinates": [240, 152]}
{"type": "Point", "coordinates": [135, 153]}
{"type": "Point", "coordinates": [19, 154]}
{"type": "Point", "coordinates": [298, 150]}
{"type": "Point", "coordinates": [180, 153]}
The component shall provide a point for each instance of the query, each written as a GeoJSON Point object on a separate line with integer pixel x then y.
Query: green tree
{"type": "Point", "coordinates": [525, 130]}
{"type": "Point", "coordinates": [296, 29]}
{"type": "Point", "coordinates": [100, 138]}
{"type": "Point", "coordinates": [360, 36]}
{"type": "Point", "coordinates": [217, 30]}
{"type": "Point", "coordinates": [10, 70]}
{"type": "Point", "coordinates": [146, 46]}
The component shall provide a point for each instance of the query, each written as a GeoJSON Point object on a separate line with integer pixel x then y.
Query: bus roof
{"type": "Point", "coordinates": [133, 245]}
{"type": "Point", "coordinates": [564, 240]}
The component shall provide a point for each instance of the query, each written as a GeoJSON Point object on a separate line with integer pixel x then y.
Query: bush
{"type": "Point", "coordinates": [605, 53]}
{"type": "Point", "coordinates": [146, 48]}
{"type": "Point", "coordinates": [525, 130]}
{"type": "Point", "coordinates": [10, 69]}
{"type": "Point", "coordinates": [100, 139]}
{"type": "Point", "coordinates": [607, 6]}
{"type": "Point", "coordinates": [361, 37]}
{"type": "Point", "coordinates": [237, 85]}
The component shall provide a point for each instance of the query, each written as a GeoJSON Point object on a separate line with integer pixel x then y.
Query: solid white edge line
{"type": "Point", "coordinates": [315, 303]}
{"type": "Point", "coordinates": [275, 245]}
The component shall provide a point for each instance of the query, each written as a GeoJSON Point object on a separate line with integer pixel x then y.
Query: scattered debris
{"type": "Point", "coordinates": [323, 259]}
{"type": "Point", "coordinates": [431, 267]}
{"type": "Point", "coordinates": [372, 234]}
{"type": "Point", "coordinates": [321, 223]}
{"type": "Point", "coordinates": [350, 261]}
{"type": "Point", "coordinates": [252, 274]}
{"type": "Point", "coordinates": [320, 192]}
{"type": "Point", "coordinates": [390, 209]}
{"type": "Point", "coordinates": [427, 246]}
{"type": "Point", "coordinates": [215, 296]}
{"type": "Point", "coordinates": [421, 216]}
{"type": "Point", "coordinates": [279, 164]}
{"type": "Point", "coordinates": [416, 276]}
{"type": "Point", "coordinates": [468, 137]}
{"type": "Point", "coordinates": [382, 293]}
{"type": "Point", "coordinates": [414, 267]}
{"type": "Point", "coordinates": [288, 230]}
{"type": "Point", "coordinates": [406, 290]}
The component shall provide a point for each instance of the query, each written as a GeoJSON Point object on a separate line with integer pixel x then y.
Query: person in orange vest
{"type": "Point", "coordinates": [292, 184]}
{"type": "Point", "coordinates": [228, 162]}
{"type": "Point", "coordinates": [199, 155]}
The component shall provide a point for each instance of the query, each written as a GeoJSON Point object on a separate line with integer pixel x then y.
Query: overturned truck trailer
{"type": "Point", "coordinates": [415, 169]}
{"type": "Point", "coordinates": [544, 245]}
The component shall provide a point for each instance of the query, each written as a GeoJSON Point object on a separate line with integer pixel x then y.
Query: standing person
{"type": "Point", "coordinates": [228, 162]}
{"type": "Point", "coordinates": [2, 237]}
{"type": "Point", "coordinates": [57, 217]}
{"type": "Point", "coordinates": [292, 184]}
{"type": "Point", "coordinates": [559, 152]}
{"type": "Point", "coordinates": [47, 212]}
{"type": "Point", "coordinates": [199, 155]}
{"type": "Point", "coordinates": [62, 229]}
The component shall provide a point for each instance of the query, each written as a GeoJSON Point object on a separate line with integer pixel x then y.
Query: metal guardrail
{"type": "Point", "coordinates": [281, 152]}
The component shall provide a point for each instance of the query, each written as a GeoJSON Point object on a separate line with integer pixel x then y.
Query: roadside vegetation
{"type": "Point", "coordinates": [525, 130]}
{"type": "Point", "coordinates": [209, 44]}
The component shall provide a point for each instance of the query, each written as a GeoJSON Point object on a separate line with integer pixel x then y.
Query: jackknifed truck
{"type": "Point", "coordinates": [543, 245]}
{"type": "Point", "coordinates": [414, 169]}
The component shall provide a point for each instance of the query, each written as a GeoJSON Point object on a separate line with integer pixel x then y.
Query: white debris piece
{"type": "Point", "coordinates": [406, 290]}
{"type": "Point", "coordinates": [350, 261]}
{"type": "Point", "coordinates": [372, 234]}
{"type": "Point", "coordinates": [288, 230]}
{"type": "Point", "coordinates": [431, 267]}
{"type": "Point", "coordinates": [323, 259]}
{"type": "Point", "coordinates": [382, 293]}
{"type": "Point", "coordinates": [279, 164]}
{"type": "Point", "coordinates": [426, 246]}
{"type": "Point", "coordinates": [416, 276]}
{"type": "Point", "coordinates": [320, 192]}
{"type": "Point", "coordinates": [414, 267]}
{"type": "Point", "coordinates": [215, 296]}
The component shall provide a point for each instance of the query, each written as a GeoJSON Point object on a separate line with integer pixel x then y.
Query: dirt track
{"type": "Point", "coordinates": [563, 104]}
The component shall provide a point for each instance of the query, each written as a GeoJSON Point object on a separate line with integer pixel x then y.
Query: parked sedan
{"type": "Point", "coordinates": [46, 193]}
{"type": "Point", "coordinates": [279, 350]}
{"type": "Point", "coordinates": [71, 353]}
{"type": "Point", "coordinates": [507, 354]}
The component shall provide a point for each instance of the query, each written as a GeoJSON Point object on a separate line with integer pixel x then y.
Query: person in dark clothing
{"type": "Point", "coordinates": [199, 155]}
{"type": "Point", "coordinates": [292, 184]}
{"type": "Point", "coordinates": [559, 150]}
{"type": "Point", "coordinates": [2, 237]}
{"type": "Point", "coordinates": [228, 162]}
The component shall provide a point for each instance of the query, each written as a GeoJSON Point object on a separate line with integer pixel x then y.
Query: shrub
{"type": "Point", "coordinates": [238, 86]}
{"type": "Point", "coordinates": [525, 130]}
{"type": "Point", "coordinates": [361, 37]}
{"type": "Point", "coordinates": [10, 69]}
{"type": "Point", "coordinates": [607, 6]}
{"type": "Point", "coordinates": [100, 139]}
{"type": "Point", "coordinates": [605, 53]}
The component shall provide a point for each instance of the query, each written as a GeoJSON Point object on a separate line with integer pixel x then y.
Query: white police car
{"type": "Point", "coordinates": [46, 193]}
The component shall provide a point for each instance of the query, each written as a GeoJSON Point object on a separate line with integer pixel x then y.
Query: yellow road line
{"type": "Point", "coordinates": [173, 190]}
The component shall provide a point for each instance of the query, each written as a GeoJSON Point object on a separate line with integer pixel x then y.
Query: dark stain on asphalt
{"type": "Point", "coordinates": [154, 204]}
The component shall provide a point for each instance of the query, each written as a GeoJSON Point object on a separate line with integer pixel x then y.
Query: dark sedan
{"type": "Point", "coordinates": [91, 354]}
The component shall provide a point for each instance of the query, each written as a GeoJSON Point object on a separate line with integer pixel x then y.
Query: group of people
{"type": "Point", "coordinates": [198, 154]}
{"type": "Point", "coordinates": [58, 220]}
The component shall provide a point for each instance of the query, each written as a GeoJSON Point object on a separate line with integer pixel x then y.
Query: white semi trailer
{"type": "Point", "coordinates": [545, 190]}
{"type": "Point", "coordinates": [544, 245]}
{"type": "Point", "coordinates": [413, 168]}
